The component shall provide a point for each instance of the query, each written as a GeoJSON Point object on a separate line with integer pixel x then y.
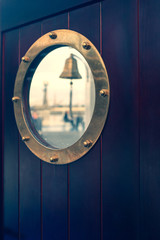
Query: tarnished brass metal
{"type": "Point", "coordinates": [25, 59]}
{"type": "Point", "coordinates": [88, 143]}
{"type": "Point", "coordinates": [70, 70]}
{"type": "Point", "coordinates": [53, 35]}
{"type": "Point", "coordinates": [86, 45]}
{"type": "Point", "coordinates": [15, 99]}
{"type": "Point", "coordinates": [25, 138]}
{"type": "Point", "coordinates": [35, 54]}
{"type": "Point", "coordinates": [54, 158]}
{"type": "Point", "coordinates": [104, 92]}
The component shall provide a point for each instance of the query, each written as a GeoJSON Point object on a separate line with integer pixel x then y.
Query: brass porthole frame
{"type": "Point", "coordinates": [63, 37]}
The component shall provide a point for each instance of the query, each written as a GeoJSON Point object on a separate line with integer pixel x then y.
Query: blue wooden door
{"type": "Point", "coordinates": [113, 191]}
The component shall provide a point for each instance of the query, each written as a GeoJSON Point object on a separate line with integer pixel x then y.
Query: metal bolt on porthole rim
{"type": "Point", "coordinates": [25, 59]}
{"type": "Point", "coordinates": [86, 45]}
{"type": "Point", "coordinates": [25, 139]}
{"type": "Point", "coordinates": [15, 99]}
{"type": "Point", "coordinates": [104, 92]}
{"type": "Point", "coordinates": [53, 35]}
{"type": "Point", "coordinates": [54, 159]}
{"type": "Point", "coordinates": [88, 143]}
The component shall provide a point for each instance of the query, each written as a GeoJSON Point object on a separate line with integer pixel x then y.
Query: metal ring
{"type": "Point", "coordinates": [38, 50]}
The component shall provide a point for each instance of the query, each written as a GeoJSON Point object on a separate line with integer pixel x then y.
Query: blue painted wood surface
{"type": "Point", "coordinates": [113, 191]}
{"type": "Point", "coordinates": [54, 178]}
{"type": "Point", "coordinates": [85, 173]}
{"type": "Point", "coordinates": [15, 13]}
{"type": "Point", "coordinates": [120, 138]}
{"type": "Point", "coordinates": [149, 119]}
{"type": "Point", "coordinates": [11, 148]}
{"type": "Point", "coordinates": [29, 165]}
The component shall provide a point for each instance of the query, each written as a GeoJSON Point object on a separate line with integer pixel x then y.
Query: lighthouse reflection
{"type": "Point", "coordinates": [57, 118]}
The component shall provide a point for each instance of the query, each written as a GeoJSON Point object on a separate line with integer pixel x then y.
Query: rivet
{"type": "Point", "coordinates": [25, 59]}
{"type": "Point", "coordinates": [25, 139]}
{"type": "Point", "coordinates": [15, 99]}
{"type": "Point", "coordinates": [54, 159]}
{"type": "Point", "coordinates": [53, 35]}
{"type": "Point", "coordinates": [104, 92]}
{"type": "Point", "coordinates": [86, 45]}
{"type": "Point", "coordinates": [88, 143]}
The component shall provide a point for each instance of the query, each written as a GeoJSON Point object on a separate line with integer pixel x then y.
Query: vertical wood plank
{"type": "Point", "coordinates": [85, 173]}
{"type": "Point", "coordinates": [54, 178]}
{"type": "Point", "coordinates": [150, 127]}
{"type": "Point", "coordinates": [29, 164]}
{"type": "Point", "coordinates": [11, 40]}
{"type": "Point", "coordinates": [54, 23]}
{"type": "Point", "coordinates": [120, 149]}
{"type": "Point", "coordinates": [1, 129]}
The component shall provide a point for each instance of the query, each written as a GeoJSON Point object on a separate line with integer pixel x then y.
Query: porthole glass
{"type": "Point", "coordinates": [62, 97]}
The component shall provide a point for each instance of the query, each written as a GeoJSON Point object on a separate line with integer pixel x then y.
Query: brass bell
{"type": "Point", "coordinates": [70, 70]}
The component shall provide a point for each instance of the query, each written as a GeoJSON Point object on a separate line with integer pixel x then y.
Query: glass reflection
{"type": "Point", "coordinates": [62, 97]}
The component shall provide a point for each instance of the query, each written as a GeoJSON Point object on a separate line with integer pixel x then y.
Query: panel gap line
{"type": "Point", "coordinates": [19, 229]}
{"type": "Point", "coordinates": [41, 29]}
{"type": "Point", "coordinates": [139, 118]}
{"type": "Point", "coordinates": [101, 192]}
{"type": "Point", "coordinates": [68, 20]}
{"type": "Point", "coordinates": [41, 182]}
{"type": "Point", "coordinates": [19, 233]}
{"type": "Point", "coordinates": [100, 29]}
{"type": "Point", "coordinates": [68, 173]}
{"type": "Point", "coordinates": [68, 199]}
{"type": "Point", "coordinates": [41, 201]}
{"type": "Point", "coordinates": [101, 142]}
{"type": "Point", "coordinates": [2, 137]}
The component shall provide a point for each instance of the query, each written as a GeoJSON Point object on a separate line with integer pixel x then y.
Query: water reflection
{"type": "Point", "coordinates": [62, 101]}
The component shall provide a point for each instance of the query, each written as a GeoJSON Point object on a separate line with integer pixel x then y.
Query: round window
{"type": "Point", "coordinates": [61, 96]}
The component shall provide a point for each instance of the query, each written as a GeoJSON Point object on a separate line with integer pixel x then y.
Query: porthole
{"type": "Point", "coordinates": [61, 96]}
